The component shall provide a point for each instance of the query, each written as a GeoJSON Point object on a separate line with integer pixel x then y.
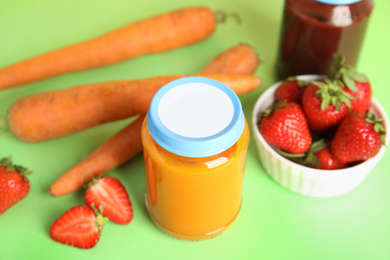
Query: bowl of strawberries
{"type": "Point", "coordinates": [320, 135]}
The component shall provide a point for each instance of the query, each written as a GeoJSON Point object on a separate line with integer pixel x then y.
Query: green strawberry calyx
{"type": "Point", "coordinates": [377, 124]}
{"type": "Point", "coordinates": [346, 74]}
{"type": "Point", "coordinates": [308, 158]}
{"type": "Point", "coordinates": [7, 162]}
{"type": "Point", "coordinates": [92, 182]}
{"type": "Point", "coordinates": [100, 220]}
{"type": "Point", "coordinates": [289, 155]}
{"type": "Point", "coordinates": [332, 93]}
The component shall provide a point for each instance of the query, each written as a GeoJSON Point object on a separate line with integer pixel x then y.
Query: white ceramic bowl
{"type": "Point", "coordinates": [309, 181]}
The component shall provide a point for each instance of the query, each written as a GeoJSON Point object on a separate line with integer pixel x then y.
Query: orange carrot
{"type": "Point", "coordinates": [48, 115]}
{"type": "Point", "coordinates": [118, 149]}
{"type": "Point", "coordinates": [153, 35]}
{"type": "Point", "coordinates": [239, 59]}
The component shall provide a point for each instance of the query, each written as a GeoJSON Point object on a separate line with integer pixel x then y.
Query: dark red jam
{"type": "Point", "coordinates": [313, 31]}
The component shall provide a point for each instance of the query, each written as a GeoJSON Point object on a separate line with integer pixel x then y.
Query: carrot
{"type": "Point", "coordinates": [153, 35]}
{"type": "Point", "coordinates": [47, 115]}
{"type": "Point", "coordinates": [239, 59]}
{"type": "Point", "coordinates": [118, 149]}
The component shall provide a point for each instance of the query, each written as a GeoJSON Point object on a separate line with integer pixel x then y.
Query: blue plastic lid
{"type": "Point", "coordinates": [338, 2]}
{"type": "Point", "coordinates": [195, 117]}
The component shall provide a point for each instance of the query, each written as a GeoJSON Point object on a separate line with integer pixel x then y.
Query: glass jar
{"type": "Point", "coordinates": [195, 140]}
{"type": "Point", "coordinates": [313, 30]}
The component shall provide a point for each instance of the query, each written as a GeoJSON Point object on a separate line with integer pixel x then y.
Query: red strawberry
{"type": "Point", "coordinates": [14, 185]}
{"type": "Point", "coordinates": [363, 97]}
{"type": "Point", "coordinates": [80, 226]}
{"type": "Point", "coordinates": [112, 195]}
{"type": "Point", "coordinates": [290, 90]}
{"type": "Point", "coordinates": [327, 161]}
{"type": "Point", "coordinates": [356, 84]}
{"type": "Point", "coordinates": [318, 156]}
{"type": "Point", "coordinates": [325, 104]}
{"type": "Point", "coordinates": [358, 138]}
{"type": "Point", "coordinates": [285, 127]}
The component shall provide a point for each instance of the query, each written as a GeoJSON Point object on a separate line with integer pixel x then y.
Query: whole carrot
{"type": "Point", "coordinates": [153, 35]}
{"type": "Point", "coordinates": [47, 115]}
{"type": "Point", "coordinates": [239, 59]}
{"type": "Point", "coordinates": [122, 146]}
{"type": "Point", "coordinates": [118, 149]}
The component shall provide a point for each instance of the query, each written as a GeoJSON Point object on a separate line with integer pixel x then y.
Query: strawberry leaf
{"type": "Point", "coordinates": [377, 124]}
{"type": "Point", "coordinates": [7, 162]}
{"type": "Point", "coordinates": [338, 61]}
{"type": "Point", "coordinates": [331, 92]}
{"type": "Point", "coordinates": [290, 155]}
{"type": "Point", "coordinates": [318, 146]}
{"type": "Point", "coordinates": [345, 73]}
{"type": "Point", "coordinates": [349, 82]}
{"type": "Point", "coordinates": [355, 75]}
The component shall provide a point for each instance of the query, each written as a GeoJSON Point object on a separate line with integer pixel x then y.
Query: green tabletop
{"type": "Point", "coordinates": [274, 223]}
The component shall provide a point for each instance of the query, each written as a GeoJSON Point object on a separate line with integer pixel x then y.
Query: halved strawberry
{"type": "Point", "coordinates": [112, 195]}
{"type": "Point", "coordinates": [80, 227]}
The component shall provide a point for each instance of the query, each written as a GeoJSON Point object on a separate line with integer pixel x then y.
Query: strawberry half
{"type": "Point", "coordinates": [285, 127]}
{"type": "Point", "coordinates": [14, 185]}
{"type": "Point", "coordinates": [109, 193]}
{"type": "Point", "coordinates": [358, 138]}
{"type": "Point", "coordinates": [80, 226]}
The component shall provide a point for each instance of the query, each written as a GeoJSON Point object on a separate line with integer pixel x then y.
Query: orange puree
{"type": "Point", "coordinates": [194, 198]}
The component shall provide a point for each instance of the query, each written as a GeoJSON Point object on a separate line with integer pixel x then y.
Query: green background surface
{"type": "Point", "coordinates": [274, 223]}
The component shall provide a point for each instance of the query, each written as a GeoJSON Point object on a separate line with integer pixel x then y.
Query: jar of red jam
{"type": "Point", "coordinates": [313, 30]}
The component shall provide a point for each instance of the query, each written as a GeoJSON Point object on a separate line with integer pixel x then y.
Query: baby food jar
{"type": "Point", "coordinates": [195, 139]}
{"type": "Point", "coordinates": [313, 30]}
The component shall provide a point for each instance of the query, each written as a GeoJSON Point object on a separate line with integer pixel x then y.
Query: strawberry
{"type": "Point", "coordinates": [112, 195]}
{"type": "Point", "coordinates": [358, 138]}
{"type": "Point", "coordinates": [290, 90]}
{"type": "Point", "coordinates": [320, 156]}
{"type": "Point", "coordinates": [325, 104]}
{"type": "Point", "coordinates": [80, 226]}
{"type": "Point", "coordinates": [355, 84]}
{"type": "Point", "coordinates": [14, 185]}
{"type": "Point", "coordinates": [285, 127]}
{"type": "Point", "coordinates": [327, 161]}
